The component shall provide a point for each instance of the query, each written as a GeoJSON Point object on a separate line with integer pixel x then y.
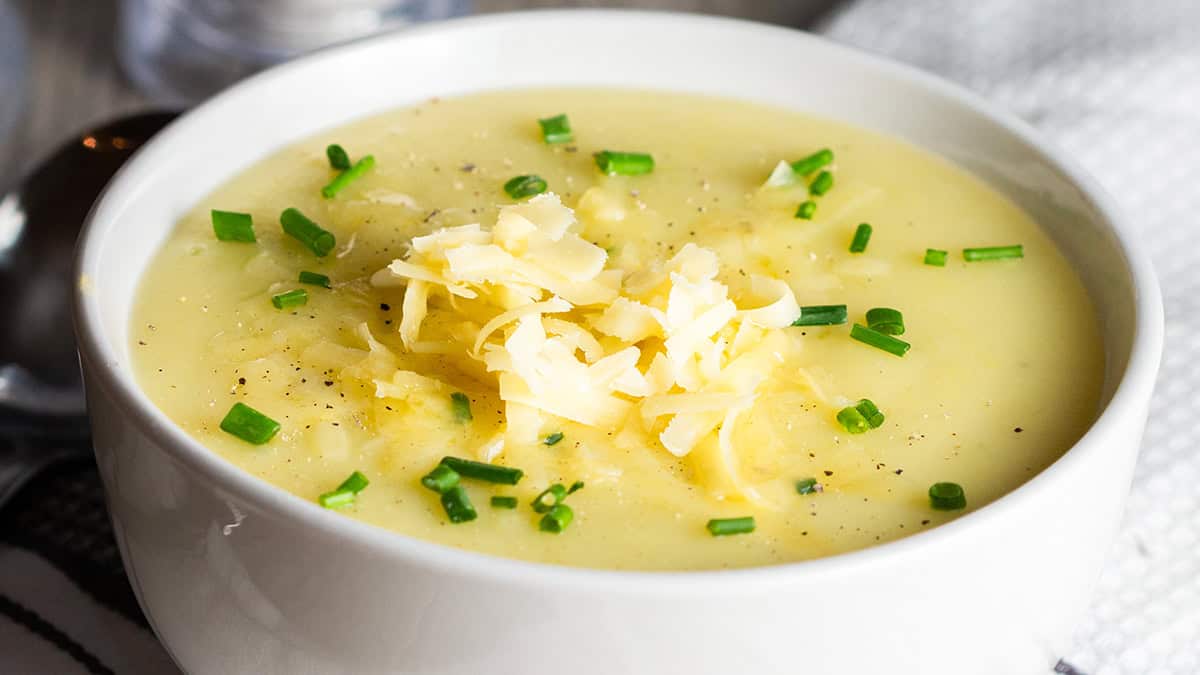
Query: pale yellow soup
{"type": "Point", "coordinates": [1003, 374]}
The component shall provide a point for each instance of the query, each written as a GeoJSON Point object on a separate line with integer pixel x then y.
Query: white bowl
{"type": "Point", "coordinates": [236, 575]}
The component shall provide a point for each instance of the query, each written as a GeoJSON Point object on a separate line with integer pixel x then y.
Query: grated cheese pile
{"type": "Point", "coordinates": [664, 349]}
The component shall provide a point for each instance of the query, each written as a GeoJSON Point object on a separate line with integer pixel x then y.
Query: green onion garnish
{"type": "Point", "coordinates": [860, 417]}
{"type": "Point", "coordinates": [549, 498]}
{"type": "Point", "coordinates": [504, 502]}
{"type": "Point", "coordinates": [806, 209]}
{"type": "Point", "coordinates": [525, 186]}
{"type": "Point", "coordinates": [782, 175]}
{"type": "Point", "coordinates": [821, 184]}
{"type": "Point", "coordinates": [947, 496]}
{"type": "Point", "coordinates": [557, 519]}
{"type": "Point", "coordinates": [290, 299]}
{"type": "Point", "coordinates": [887, 343]}
{"type": "Point", "coordinates": [935, 257]}
{"type": "Point", "coordinates": [821, 315]}
{"type": "Point", "coordinates": [575, 487]}
{"type": "Point", "coordinates": [233, 226]}
{"type": "Point", "coordinates": [338, 158]}
{"type": "Point", "coordinates": [314, 279]}
{"type": "Point", "coordinates": [867, 408]}
{"type": "Point", "coordinates": [460, 405]}
{"type": "Point", "coordinates": [624, 163]}
{"type": "Point", "coordinates": [852, 420]}
{"type": "Point", "coordinates": [807, 486]}
{"type": "Point", "coordinates": [862, 235]}
{"type": "Point", "coordinates": [993, 253]}
{"type": "Point", "coordinates": [554, 438]}
{"type": "Point", "coordinates": [885, 320]}
{"type": "Point", "coordinates": [348, 176]}
{"type": "Point", "coordinates": [491, 473]}
{"type": "Point", "coordinates": [249, 425]}
{"type": "Point", "coordinates": [312, 235]}
{"type": "Point", "coordinates": [813, 162]}
{"type": "Point", "coordinates": [556, 129]}
{"type": "Point", "coordinates": [720, 527]}
{"type": "Point", "coordinates": [458, 505]}
{"type": "Point", "coordinates": [345, 493]}
{"type": "Point", "coordinates": [439, 480]}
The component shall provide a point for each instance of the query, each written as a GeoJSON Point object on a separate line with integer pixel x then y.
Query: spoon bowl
{"type": "Point", "coordinates": [39, 222]}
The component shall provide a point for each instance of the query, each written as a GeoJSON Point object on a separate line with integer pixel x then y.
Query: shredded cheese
{"type": "Point", "coordinates": [565, 334]}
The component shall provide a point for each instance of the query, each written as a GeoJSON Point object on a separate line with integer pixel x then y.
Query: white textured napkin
{"type": "Point", "coordinates": [1117, 84]}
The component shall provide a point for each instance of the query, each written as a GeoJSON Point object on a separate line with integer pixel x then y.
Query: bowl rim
{"type": "Point", "coordinates": [1129, 396]}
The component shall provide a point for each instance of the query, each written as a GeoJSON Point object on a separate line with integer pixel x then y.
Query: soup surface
{"type": "Point", "coordinates": [738, 418]}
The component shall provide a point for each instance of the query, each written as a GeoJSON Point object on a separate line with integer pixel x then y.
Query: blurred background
{"type": "Point", "coordinates": [68, 64]}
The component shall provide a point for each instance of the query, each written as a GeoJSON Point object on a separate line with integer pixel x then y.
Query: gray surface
{"type": "Point", "coordinates": [74, 79]}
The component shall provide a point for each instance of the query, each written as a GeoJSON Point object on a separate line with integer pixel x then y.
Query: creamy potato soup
{"type": "Point", "coordinates": [649, 330]}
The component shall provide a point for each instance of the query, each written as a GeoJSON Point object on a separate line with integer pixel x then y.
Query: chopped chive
{"type": "Point", "coordinates": [439, 480]}
{"type": "Point", "coordinates": [348, 176]}
{"type": "Point", "coordinates": [870, 412]}
{"type": "Point", "coordinates": [624, 163]}
{"type": "Point", "coordinates": [887, 343]}
{"type": "Point", "coordinates": [345, 493]}
{"type": "Point", "coordinates": [935, 257]}
{"type": "Point", "coordinates": [557, 519]}
{"type": "Point", "coordinates": [813, 162]}
{"type": "Point", "coordinates": [993, 253]}
{"type": "Point", "coordinates": [233, 226]}
{"type": "Point", "coordinates": [807, 486]}
{"type": "Point", "coordinates": [806, 209]}
{"type": "Point", "coordinates": [491, 473]}
{"type": "Point", "coordinates": [720, 527]}
{"type": "Point", "coordinates": [338, 158]}
{"type": "Point", "coordinates": [458, 505]}
{"type": "Point", "coordinates": [821, 184]}
{"type": "Point", "coordinates": [504, 502]}
{"type": "Point", "coordinates": [356, 482]}
{"type": "Point", "coordinates": [289, 299]}
{"type": "Point", "coordinates": [549, 498]}
{"type": "Point", "coordinates": [852, 420]}
{"type": "Point", "coordinates": [554, 438]}
{"type": "Point", "coordinates": [249, 425]}
{"type": "Point", "coordinates": [460, 405]}
{"type": "Point", "coordinates": [525, 186]}
{"type": "Point", "coordinates": [781, 176]}
{"type": "Point", "coordinates": [821, 315]}
{"type": "Point", "coordinates": [862, 235]}
{"type": "Point", "coordinates": [335, 499]}
{"type": "Point", "coordinates": [315, 279]}
{"type": "Point", "coordinates": [317, 239]}
{"type": "Point", "coordinates": [947, 496]}
{"type": "Point", "coordinates": [861, 417]}
{"type": "Point", "coordinates": [885, 320]}
{"type": "Point", "coordinates": [556, 129]}
{"type": "Point", "coordinates": [575, 487]}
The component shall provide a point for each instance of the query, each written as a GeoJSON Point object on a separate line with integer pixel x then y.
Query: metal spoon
{"type": "Point", "coordinates": [42, 415]}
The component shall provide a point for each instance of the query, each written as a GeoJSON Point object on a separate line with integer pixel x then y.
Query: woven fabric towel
{"type": "Point", "coordinates": [1116, 83]}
